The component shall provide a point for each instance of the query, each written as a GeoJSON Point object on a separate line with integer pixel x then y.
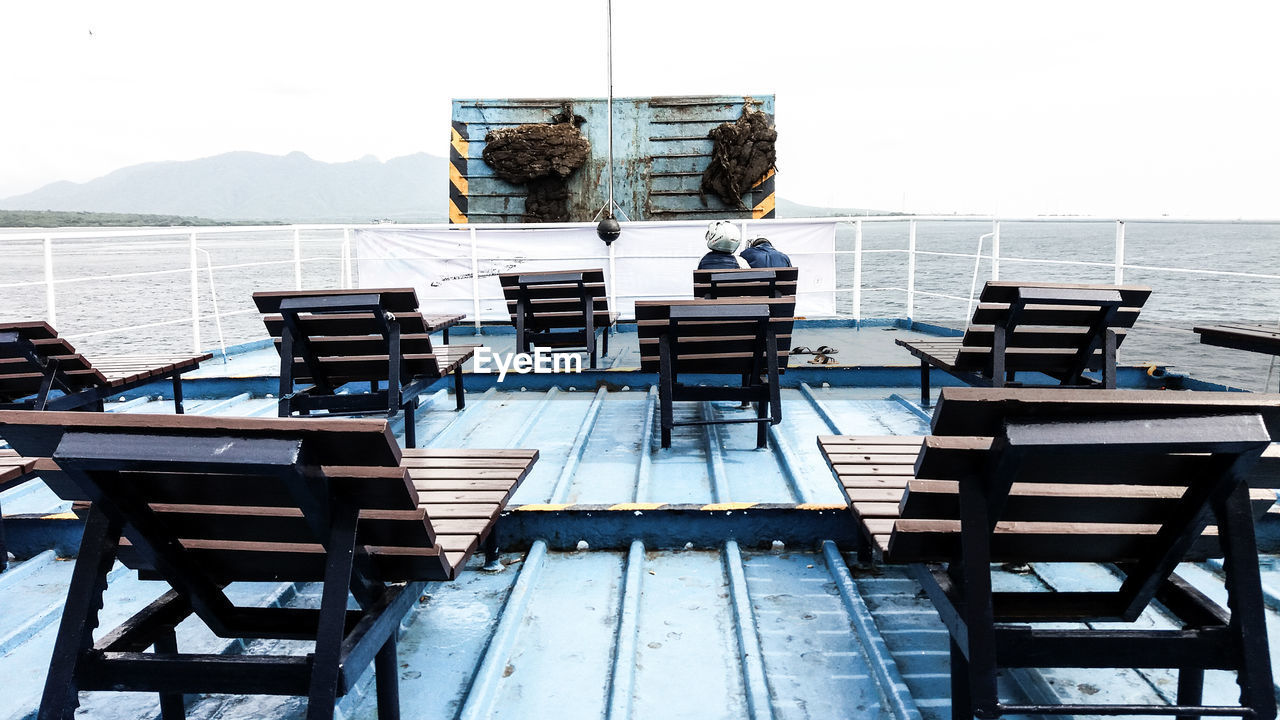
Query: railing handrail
{"type": "Point", "coordinates": [180, 232]}
{"type": "Point", "coordinates": [187, 239]}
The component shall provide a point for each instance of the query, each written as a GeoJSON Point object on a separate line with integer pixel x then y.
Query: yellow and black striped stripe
{"type": "Point", "coordinates": [762, 200]}
{"type": "Point", "coordinates": [458, 174]}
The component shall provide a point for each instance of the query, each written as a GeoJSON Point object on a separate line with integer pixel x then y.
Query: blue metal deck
{"type": "Point", "coordinates": [702, 581]}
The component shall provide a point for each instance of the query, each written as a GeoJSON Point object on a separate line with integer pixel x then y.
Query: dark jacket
{"type": "Point", "coordinates": [765, 255]}
{"type": "Point", "coordinates": [718, 261]}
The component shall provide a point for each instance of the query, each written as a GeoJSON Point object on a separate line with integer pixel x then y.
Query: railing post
{"type": "Point", "coordinates": [195, 295]}
{"type": "Point", "coordinates": [297, 259]}
{"type": "Point", "coordinates": [51, 312]}
{"type": "Point", "coordinates": [1119, 252]}
{"type": "Point", "coordinates": [973, 282]}
{"type": "Point", "coordinates": [995, 251]}
{"type": "Point", "coordinates": [475, 281]}
{"type": "Point", "coordinates": [613, 282]}
{"type": "Point", "coordinates": [911, 270]}
{"type": "Point", "coordinates": [345, 268]}
{"type": "Point", "coordinates": [857, 271]}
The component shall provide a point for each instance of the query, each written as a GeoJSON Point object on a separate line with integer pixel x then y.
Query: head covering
{"type": "Point", "coordinates": [723, 236]}
{"type": "Point", "coordinates": [756, 242]}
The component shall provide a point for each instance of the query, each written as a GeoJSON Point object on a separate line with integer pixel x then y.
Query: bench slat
{"type": "Point", "coordinates": [394, 300]}
{"type": "Point", "coordinates": [350, 324]}
{"type": "Point", "coordinates": [979, 411]}
{"type": "Point", "coordinates": [1004, 291]}
{"type": "Point", "coordinates": [357, 368]}
{"type": "Point", "coordinates": [937, 541]}
{"type": "Point", "coordinates": [287, 525]}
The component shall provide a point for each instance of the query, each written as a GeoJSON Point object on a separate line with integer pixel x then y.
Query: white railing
{"type": "Point", "coordinates": [56, 263]}
{"type": "Point", "coordinates": [60, 248]}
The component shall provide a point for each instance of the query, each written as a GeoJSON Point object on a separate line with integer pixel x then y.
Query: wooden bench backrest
{"type": "Point", "coordinates": [1094, 479]}
{"type": "Point", "coordinates": [714, 346]}
{"type": "Point", "coordinates": [350, 346]}
{"type": "Point", "coordinates": [1049, 327]}
{"type": "Point", "coordinates": [743, 282]}
{"type": "Point", "coordinates": [243, 523]}
{"type": "Point", "coordinates": [20, 377]}
{"type": "Point", "coordinates": [558, 305]}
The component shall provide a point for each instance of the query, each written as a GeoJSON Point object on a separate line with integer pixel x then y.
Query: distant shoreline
{"type": "Point", "coordinates": [65, 218]}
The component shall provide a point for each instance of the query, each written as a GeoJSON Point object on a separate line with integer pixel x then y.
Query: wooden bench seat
{"type": "Point", "coordinates": [1142, 480]}
{"type": "Point", "coordinates": [378, 336]}
{"type": "Point", "coordinates": [559, 309]}
{"type": "Point", "coordinates": [1060, 330]}
{"type": "Point", "coordinates": [199, 502]}
{"type": "Point", "coordinates": [39, 371]}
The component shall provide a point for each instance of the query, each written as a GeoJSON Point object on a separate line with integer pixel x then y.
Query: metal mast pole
{"type": "Point", "coordinates": [609, 103]}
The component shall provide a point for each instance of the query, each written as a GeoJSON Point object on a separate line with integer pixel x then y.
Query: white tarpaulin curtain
{"type": "Point", "coordinates": [652, 260]}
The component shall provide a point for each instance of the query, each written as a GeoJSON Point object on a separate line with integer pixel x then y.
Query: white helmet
{"type": "Point", "coordinates": [723, 236]}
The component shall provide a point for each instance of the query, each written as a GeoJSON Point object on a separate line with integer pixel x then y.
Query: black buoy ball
{"type": "Point", "coordinates": [608, 230]}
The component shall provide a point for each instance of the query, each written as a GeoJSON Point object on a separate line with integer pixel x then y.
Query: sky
{"type": "Point", "coordinates": [1134, 109]}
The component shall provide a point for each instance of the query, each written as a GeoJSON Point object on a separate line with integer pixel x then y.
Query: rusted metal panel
{"type": "Point", "coordinates": [660, 149]}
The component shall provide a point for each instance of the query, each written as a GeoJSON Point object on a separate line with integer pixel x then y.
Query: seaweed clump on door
{"type": "Point", "coordinates": [742, 154]}
{"type": "Point", "coordinates": [540, 156]}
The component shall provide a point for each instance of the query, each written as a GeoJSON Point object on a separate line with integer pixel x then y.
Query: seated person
{"type": "Point", "coordinates": [723, 240]}
{"type": "Point", "coordinates": [762, 254]}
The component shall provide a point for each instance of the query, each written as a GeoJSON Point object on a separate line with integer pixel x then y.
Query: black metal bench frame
{"type": "Point", "coordinates": [12, 344]}
{"type": "Point", "coordinates": [346, 641]}
{"type": "Point", "coordinates": [988, 629]}
{"type": "Point", "coordinates": [322, 395]}
{"type": "Point", "coordinates": [527, 330]}
{"type": "Point", "coordinates": [1100, 334]}
{"type": "Point", "coordinates": [764, 362]}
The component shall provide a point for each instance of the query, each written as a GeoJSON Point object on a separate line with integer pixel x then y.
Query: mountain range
{"type": "Point", "coordinates": [250, 186]}
{"type": "Point", "coordinates": [255, 186]}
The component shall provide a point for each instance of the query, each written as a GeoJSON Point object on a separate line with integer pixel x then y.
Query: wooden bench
{"type": "Point", "coordinates": [746, 337]}
{"type": "Point", "coordinates": [328, 338]}
{"type": "Point", "coordinates": [1141, 479]}
{"type": "Point", "coordinates": [755, 282]}
{"type": "Point", "coordinates": [41, 371]}
{"type": "Point", "coordinates": [200, 502]}
{"type": "Point", "coordinates": [560, 309]}
{"type": "Point", "coordinates": [1057, 329]}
